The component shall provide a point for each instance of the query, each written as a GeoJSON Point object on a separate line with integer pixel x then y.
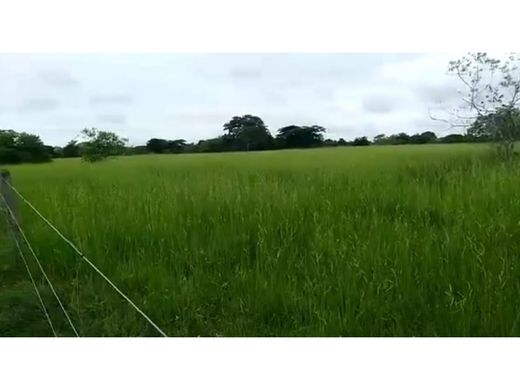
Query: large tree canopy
{"type": "Point", "coordinates": [300, 136]}
{"type": "Point", "coordinates": [101, 144]}
{"type": "Point", "coordinates": [22, 147]}
{"type": "Point", "coordinates": [157, 145]}
{"type": "Point", "coordinates": [503, 123]}
{"type": "Point", "coordinates": [248, 132]}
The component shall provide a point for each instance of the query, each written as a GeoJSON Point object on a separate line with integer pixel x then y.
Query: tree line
{"type": "Point", "coordinates": [21, 147]}
{"type": "Point", "coordinates": [241, 133]}
{"type": "Point", "coordinates": [249, 133]}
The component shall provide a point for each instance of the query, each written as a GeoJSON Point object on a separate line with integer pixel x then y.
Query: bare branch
{"type": "Point", "coordinates": [451, 124]}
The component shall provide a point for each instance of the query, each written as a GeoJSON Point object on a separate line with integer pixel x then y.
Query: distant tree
{"type": "Point", "coordinates": [101, 144]}
{"type": "Point", "coordinates": [429, 136]}
{"type": "Point", "coordinates": [248, 132]}
{"type": "Point", "coordinates": [22, 147]}
{"type": "Point", "coordinates": [330, 142]}
{"type": "Point", "coordinates": [134, 150]}
{"type": "Point", "coordinates": [71, 149]}
{"type": "Point", "coordinates": [423, 138]}
{"type": "Point", "coordinates": [342, 142]}
{"type": "Point", "coordinates": [398, 139]}
{"type": "Point", "coordinates": [380, 139]}
{"type": "Point", "coordinates": [453, 138]}
{"type": "Point", "coordinates": [8, 138]}
{"type": "Point", "coordinates": [300, 136]}
{"type": "Point", "coordinates": [361, 141]}
{"type": "Point", "coordinates": [502, 124]}
{"type": "Point", "coordinates": [9, 156]}
{"type": "Point", "coordinates": [157, 145]}
{"type": "Point", "coordinates": [190, 148]}
{"type": "Point", "coordinates": [176, 146]}
{"type": "Point", "coordinates": [32, 148]}
{"type": "Point", "coordinates": [219, 144]}
{"type": "Point", "coordinates": [8, 152]}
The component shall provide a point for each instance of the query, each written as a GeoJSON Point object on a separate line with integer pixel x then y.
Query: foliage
{"type": "Point", "coordinates": [300, 136]}
{"type": "Point", "coordinates": [157, 145]}
{"type": "Point", "coordinates": [453, 138]}
{"type": "Point", "coordinates": [361, 141]}
{"type": "Point", "coordinates": [101, 144]}
{"type": "Point", "coordinates": [8, 139]}
{"type": "Point", "coordinates": [139, 149]}
{"type": "Point", "coordinates": [292, 136]}
{"type": "Point", "coordinates": [220, 144]}
{"type": "Point", "coordinates": [248, 132]}
{"type": "Point", "coordinates": [311, 136]}
{"type": "Point", "coordinates": [394, 139]}
{"type": "Point", "coordinates": [423, 138]}
{"type": "Point", "coordinates": [380, 139]}
{"type": "Point", "coordinates": [71, 149]}
{"type": "Point", "coordinates": [177, 145]}
{"type": "Point", "coordinates": [22, 147]}
{"type": "Point", "coordinates": [502, 125]}
{"type": "Point", "coordinates": [426, 137]}
{"type": "Point", "coordinates": [242, 134]}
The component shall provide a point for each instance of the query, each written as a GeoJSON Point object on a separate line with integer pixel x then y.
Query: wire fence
{"type": "Point", "coordinates": [17, 231]}
{"type": "Point", "coordinates": [37, 291]}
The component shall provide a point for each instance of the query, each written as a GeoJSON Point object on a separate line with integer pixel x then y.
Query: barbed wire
{"type": "Point", "coordinates": [19, 228]}
{"type": "Point", "coordinates": [85, 259]}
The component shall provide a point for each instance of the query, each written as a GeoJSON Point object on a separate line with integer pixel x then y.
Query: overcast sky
{"type": "Point", "coordinates": [191, 96]}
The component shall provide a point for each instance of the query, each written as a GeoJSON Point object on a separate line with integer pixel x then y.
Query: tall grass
{"type": "Point", "coordinates": [380, 241]}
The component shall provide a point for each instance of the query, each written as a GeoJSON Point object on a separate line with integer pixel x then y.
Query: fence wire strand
{"type": "Point", "coordinates": [85, 259]}
{"type": "Point", "coordinates": [19, 228]}
{"type": "Point", "coordinates": [45, 311]}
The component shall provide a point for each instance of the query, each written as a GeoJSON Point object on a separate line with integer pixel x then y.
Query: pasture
{"type": "Point", "coordinates": [369, 241]}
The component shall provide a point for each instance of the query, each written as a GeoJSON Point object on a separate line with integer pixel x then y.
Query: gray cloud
{"type": "Point", "coordinates": [290, 117]}
{"type": "Point", "coordinates": [324, 92]}
{"type": "Point", "coordinates": [57, 78]}
{"type": "Point", "coordinates": [115, 119]}
{"type": "Point", "coordinates": [338, 130]}
{"type": "Point", "coordinates": [200, 117]}
{"type": "Point", "coordinates": [378, 104]}
{"type": "Point", "coordinates": [437, 93]}
{"type": "Point", "coordinates": [111, 99]}
{"type": "Point", "coordinates": [276, 98]}
{"type": "Point", "coordinates": [245, 73]}
{"type": "Point", "coordinates": [424, 123]}
{"type": "Point", "coordinates": [38, 104]}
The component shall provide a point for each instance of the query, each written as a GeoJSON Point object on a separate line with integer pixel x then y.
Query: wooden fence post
{"type": "Point", "coordinates": [10, 199]}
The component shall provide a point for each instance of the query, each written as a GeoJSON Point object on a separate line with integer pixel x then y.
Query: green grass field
{"type": "Point", "coordinates": [377, 241]}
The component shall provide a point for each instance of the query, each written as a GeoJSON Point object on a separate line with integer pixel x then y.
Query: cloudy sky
{"type": "Point", "coordinates": [191, 96]}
